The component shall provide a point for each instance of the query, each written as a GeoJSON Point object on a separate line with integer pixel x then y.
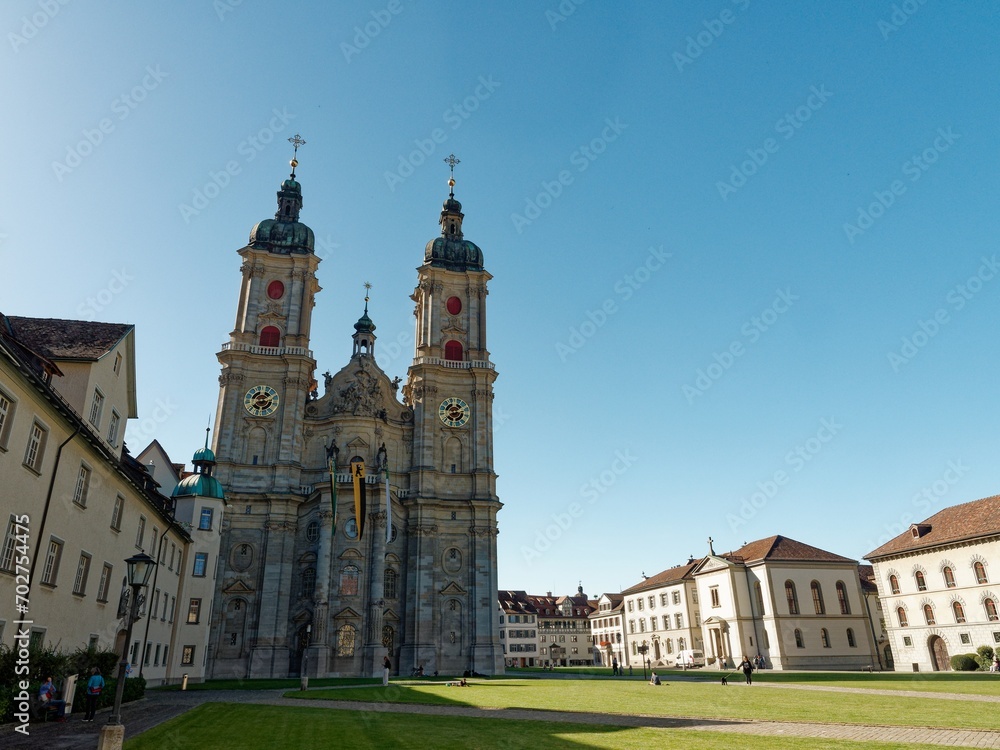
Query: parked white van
{"type": "Point", "coordinates": [690, 657]}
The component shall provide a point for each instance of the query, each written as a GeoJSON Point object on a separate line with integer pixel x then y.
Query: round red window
{"type": "Point", "coordinates": [454, 305]}
{"type": "Point", "coordinates": [275, 290]}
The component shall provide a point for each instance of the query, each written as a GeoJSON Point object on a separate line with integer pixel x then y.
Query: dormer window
{"type": "Point", "coordinates": [917, 530]}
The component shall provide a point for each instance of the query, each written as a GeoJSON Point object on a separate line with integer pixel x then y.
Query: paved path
{"type": "Point", "coordinates": [161, 706]}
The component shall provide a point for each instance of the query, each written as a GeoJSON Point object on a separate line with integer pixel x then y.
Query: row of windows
{"type": "Point", "coordinates": [562, 638]}
{"type": "Point", "coordinates": [668, 644]}
{"type": "Point", "coordinates": [522, 647]}
{"type": "Point", "coordinates": [34, 451]}
{"type": "Point", "coordinates": [606, 622]}
{"type": "Point", "coordinates": [947, 574]}
{"type": "Point", "coordinates": [38, 435]}
{"type": "Point", "coordinates": [957, 610]}
{"type": "Point", "coordinates": [819, 606]}
{"type": "Point", "coordinates": [678, 623]}
{"type": "Point", "coordinates": [824, 637]}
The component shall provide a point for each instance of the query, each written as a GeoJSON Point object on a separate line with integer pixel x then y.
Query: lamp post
{"type": "Point", "coordinates": [140, 568]}
{"type": "Point", "coordinates": [642, 652]}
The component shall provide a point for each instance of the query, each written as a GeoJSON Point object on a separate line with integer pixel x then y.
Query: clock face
{"type": "Point", "coordinates": [454, 412]}
{"type": "Point", "coordinates": [261, 400]}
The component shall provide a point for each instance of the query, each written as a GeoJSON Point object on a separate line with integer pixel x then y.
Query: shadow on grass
{"type": "Point", "coordinates": [220, 725]}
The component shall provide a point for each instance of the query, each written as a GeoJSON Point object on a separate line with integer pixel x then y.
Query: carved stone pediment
{"type": "Point", "coordinates": [452, 589]}
{"type": "Point", "coordinates": [238, 587]}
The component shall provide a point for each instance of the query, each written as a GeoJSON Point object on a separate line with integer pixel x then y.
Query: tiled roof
{"type": "Point", "coordinates": [779, 548]}
{"type": "Point", "coordinates": [668, 576]}
{"type": "Point", "coordinates": [515, 602]}
{"type": "Point", "coordinates": [980, 518]}
{"type": "Point", "coordinates": [866, 573]}
{"type": "Point", "coordinates": [67, 339]}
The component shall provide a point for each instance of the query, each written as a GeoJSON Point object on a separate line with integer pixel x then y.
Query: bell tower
{"type": "Point", "coordinates": [452, 513]}
{"type": "Point", "coordinates": [267, 375]}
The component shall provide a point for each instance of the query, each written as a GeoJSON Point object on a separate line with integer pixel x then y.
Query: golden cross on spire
{"type": "Point", "coordinates": [451, 160]}
{"type": "Point", "coordinates": [296, 142]}
{"type": "Point", "coordinates": [368, 288]}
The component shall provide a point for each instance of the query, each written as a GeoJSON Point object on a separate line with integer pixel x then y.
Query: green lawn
{"type": "Point", "coordinates": [219, 726]}
{"type": "Point", "coordinates": [969, 683]}
{"type": "Point", "coordinates": [694, 699]}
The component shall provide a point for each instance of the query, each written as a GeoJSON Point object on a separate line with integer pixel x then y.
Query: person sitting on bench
{"type": "Point", "coordinates": [48, 703]}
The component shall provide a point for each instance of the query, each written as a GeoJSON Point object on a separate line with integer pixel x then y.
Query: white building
{"type": "Point", "coordinates": [939, 583]}
{"type": "Point", "coordinates": [798, 606]}
{"type": "Point", "coordinates": [518, 629]}
{"type": "Point", "coordinates": [661, 617]}
{"type": "Point", "coordinates": [607, 630]}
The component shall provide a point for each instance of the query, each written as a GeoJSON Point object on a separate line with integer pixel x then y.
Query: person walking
{"type": "Point", "coordinates": [386, 666]}
{"type": "Point", "coordinates": [614, 666]}
{"type": "Point", "coordinates": [95, 686]}
{"type": "Point", "coordinates": [747, 668]}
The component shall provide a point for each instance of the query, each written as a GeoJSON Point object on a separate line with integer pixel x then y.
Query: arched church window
{"type": "Point", "coordinates": [270, 336]}
{"type": "Point", "coordinates": [453, 351]}
{"type": "Point", "coordinates": [388, 637]}
{"type": "Point", "coordinates": [346, 636]}
{"type": "Point", "coordinates": [308, 582]}
{"type": "Point", "coordinates": [980, 571]}
{"type": "Point", "coordinates": [275, 290]}
{"type": "Point", "coordinates": [349, 580]}
{"type": "Point", "coordinates": [454, 305]}
{"type": "Point", "coordinates": [390, 583]}
{"type": "Point", "coordinates": [312, 531]}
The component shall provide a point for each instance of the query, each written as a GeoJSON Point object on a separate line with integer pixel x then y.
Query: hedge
{"type": "Point", "coordinates": [46, 661]}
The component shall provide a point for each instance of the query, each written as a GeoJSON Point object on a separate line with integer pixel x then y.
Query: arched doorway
{"type": "Point", "coordinates": [939, 654]}
{"type": "Point", "coordinates": [656, 649]}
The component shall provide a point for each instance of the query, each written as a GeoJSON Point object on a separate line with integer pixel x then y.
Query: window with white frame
{"type": "Point", "coordinates": [50, 571]}
{"type": "Point", "coordinates": [6, 418]}
{"type": "Point", "coordinates": [205, 522]}
{"type": "Point", "coordinates": [105, 584]}
{"type": "Point", "coordinates": [113, 427]}
{"type": "Point", "coordinates": [82, 572]}
{"type": "Point", "coordinates": [82, 486]}
{"type": "Point", "coordinates": [200, 564]}
{"type": "Point", "coordinates": [140, 532]}
{"type": "Point", "coordinates": [116, 513]}
{"type": "Point", "coordinates": [35, 449]}
{"type": "Point", "coordinates": [96, 406]}
{"type": "Point", "coordinates": [9, 541]}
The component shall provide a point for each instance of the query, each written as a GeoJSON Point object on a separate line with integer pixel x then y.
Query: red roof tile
{"type": "Point", "coordinates": [668, 576]}
{"type": "Point", "coordinates": [779, 548]}
{"type": "Point", "coordinates": [958, 523]}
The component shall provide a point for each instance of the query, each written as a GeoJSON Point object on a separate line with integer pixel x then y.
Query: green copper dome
{"type": "Point", "coordinates": [284, 233]}
{"type": "Point", "coordinates": [200, 485]}
{"type": "Point", "coordinates": [451, 250]}
{"type": "Point", "coordinates": [203, 454]}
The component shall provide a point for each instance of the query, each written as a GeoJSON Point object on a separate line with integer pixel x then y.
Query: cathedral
{"type": "Point", "coordinates": [362, 513]}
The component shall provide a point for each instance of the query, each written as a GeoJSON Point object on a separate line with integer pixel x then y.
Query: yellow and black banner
{"type": "Point", "coordinates": [360, 504]}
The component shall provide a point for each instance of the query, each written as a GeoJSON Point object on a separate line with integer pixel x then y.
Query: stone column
{"type": "Point", "coordinates": [374, 650]}
{"type": "Point", "coordinates": [318, 652]}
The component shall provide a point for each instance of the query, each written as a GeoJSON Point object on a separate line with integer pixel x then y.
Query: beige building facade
{"type": "Point", "coordinates": [74, 504]}
{"type": "Point", "coordinates": [797, 606]}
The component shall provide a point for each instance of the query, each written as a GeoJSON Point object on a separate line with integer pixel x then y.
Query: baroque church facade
{"type": "Point", "coordinates": [305, 583]}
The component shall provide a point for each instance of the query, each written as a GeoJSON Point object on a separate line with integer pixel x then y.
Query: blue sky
{"type": "Point", "coordinates": [745, 256]}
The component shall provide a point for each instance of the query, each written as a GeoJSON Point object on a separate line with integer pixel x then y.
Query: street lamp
{"type": "Point", "coordinates": [643, 649]}
{"type": "Point", "coordinates": [140, 568]}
